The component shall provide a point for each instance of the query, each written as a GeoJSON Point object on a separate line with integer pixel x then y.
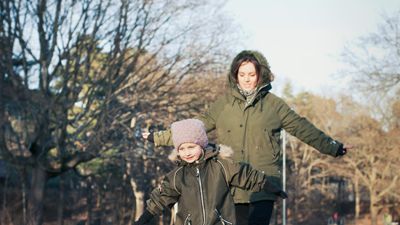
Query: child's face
{"type": "Point", "coordinates": [190, 152]}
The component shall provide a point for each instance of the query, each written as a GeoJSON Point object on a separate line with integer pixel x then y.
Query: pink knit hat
{"type": "Point", "coordinates": [189, 131]}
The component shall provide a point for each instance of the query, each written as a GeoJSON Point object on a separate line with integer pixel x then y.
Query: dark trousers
{"type": "Point", "coordinates": [256, 213]}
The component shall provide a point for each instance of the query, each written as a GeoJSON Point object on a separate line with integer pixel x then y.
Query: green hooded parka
{"type": "Point", "coordinates": [253, 129]}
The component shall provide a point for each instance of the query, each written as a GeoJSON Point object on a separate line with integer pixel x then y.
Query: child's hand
{"type": "Point", "coordinates": [144, 218]}
{"type": "Point", "coordinates": [139, 223]}
{"type": "Point", "coordinates": [145, 135]}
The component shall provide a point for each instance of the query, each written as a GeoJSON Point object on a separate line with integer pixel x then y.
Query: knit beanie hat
{"type": "Point", "coordinates": [189, 131]}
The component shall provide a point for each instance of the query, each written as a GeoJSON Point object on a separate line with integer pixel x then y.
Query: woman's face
{"type": "Point", "coordinates": [247, 76]}
{"type": "Point", "coordinates": [190, 152]}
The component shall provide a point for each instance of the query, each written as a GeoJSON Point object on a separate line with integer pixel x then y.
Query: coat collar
{"type": "Point", "coordinates": [262, 91]}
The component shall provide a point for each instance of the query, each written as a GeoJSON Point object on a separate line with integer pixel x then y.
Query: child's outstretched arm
{"type": "Point", "coordinates": [242, 175]}
{"type": "Point", "coordinates": [160, 198]}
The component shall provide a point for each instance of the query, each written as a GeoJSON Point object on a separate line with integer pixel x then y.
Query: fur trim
{"type": "Point", "coordinates": [173, 156]}
{"type": "Point", "coordinates": [225, 152]}
{"type": "Point", "coordinates": [266, 75]}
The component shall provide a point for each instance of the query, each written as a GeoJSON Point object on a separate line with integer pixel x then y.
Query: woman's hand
{"type": "Point", "coordinates": [343, 149]}
{"type": "Point", "coordinates": [145, 135]}
{"type": "Point", "coordinates": [148, 136]}
{"type": "Point", "coordinates": [346, 146]}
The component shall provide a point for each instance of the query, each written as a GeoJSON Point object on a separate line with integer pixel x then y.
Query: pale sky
{"type": "Point", "coordinates": [303, 39]}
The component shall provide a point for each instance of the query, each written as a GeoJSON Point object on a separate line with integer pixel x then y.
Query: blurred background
{"type": "Point", "coordinates": [81, 79]}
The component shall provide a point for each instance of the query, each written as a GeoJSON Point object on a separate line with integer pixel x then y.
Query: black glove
{"type": "Point", "coordinates": [151, 137]}
{"type": "Point", "coordinates": [144, 218]}
{"type": "Point", "coordinates": [341, 151]}
{"type": "Point", "coordinates": [281, 194]}
{"type": "Point", "coordinates": [270, 187]}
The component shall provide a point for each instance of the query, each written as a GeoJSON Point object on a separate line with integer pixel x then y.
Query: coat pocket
{"type": "Point", "coordinates": [274, 141]}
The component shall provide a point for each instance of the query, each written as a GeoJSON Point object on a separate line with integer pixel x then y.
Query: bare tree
{"type": "Point", "coordinates": [310, 180]}
{"type": "Point", "coordinates": [373, 63]}
{"type": "Point", "coordinates": [72, 72]}
{"type": "Point", "coordinates": [371, 165]}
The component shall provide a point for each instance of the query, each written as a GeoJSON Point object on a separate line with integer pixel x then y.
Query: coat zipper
{"type": "Point", "coordinates": [246, 157]}
{"type": "Point", "coordinates": [223, 221]}
{"type": "Point", "coordinates": [201, 195]}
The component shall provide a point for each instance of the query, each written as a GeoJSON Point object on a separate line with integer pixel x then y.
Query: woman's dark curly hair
{"type": "Point", "coordinates": [261, 67]}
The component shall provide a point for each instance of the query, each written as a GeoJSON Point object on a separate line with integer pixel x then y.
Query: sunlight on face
{"type": "Point", "coordinates": [247, 76]}
{"type": "Point", "coordinates": [190, 152]}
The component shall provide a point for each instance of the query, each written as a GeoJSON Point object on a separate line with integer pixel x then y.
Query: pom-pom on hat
{"type": "Point", "coordinates": [189, 131]}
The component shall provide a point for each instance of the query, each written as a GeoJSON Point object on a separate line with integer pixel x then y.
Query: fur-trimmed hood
{"type": "Point", "coordinates": [211, 151]}
{"type": "Point", "coordinates": [266, 75]}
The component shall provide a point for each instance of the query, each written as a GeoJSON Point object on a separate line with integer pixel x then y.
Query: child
{"type": "Point", "coordinates": [201, 183]}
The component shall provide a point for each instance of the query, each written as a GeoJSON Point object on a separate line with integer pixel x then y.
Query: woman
{"type": "Point", "coordinates": [249, 119]}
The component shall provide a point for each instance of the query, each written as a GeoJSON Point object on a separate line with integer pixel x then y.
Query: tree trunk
{"type": "Point", "coordinates": [139, 195]}
{"type": "Point", "coordinates": [357, 199]}
{"type": "Point", "coordinates": [36, 196]}
{"type": "Point", "coordinates": [60, 205]}
{"type": "Point", "coordinates": [90, 205]}
{"type": "Point", "coordinates": [24, 182]}
{"type": "Point", "coordinates": [373, 209]}
{"type": "Point", "coordinates": [4, 205]}
{"type": "Point", "coordinates": [174, 210]}
{"type": "Point", "coordinates": [295, 204]}
{"type": "Point", "coordinates": [139, 200]}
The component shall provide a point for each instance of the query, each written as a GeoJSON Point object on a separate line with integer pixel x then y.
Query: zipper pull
{"type": "Point", "coordinates": [197, 172]}
{"type": "Point", "coordinates": [223, 221]}
{"type": "Point", "coordinates": [188, 220]}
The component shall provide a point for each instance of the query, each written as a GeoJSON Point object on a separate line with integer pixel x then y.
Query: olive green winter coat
{"type": "Point", "coordinates": [253, 130]}
{"type": "Point", "coordinates": [202, 189]}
